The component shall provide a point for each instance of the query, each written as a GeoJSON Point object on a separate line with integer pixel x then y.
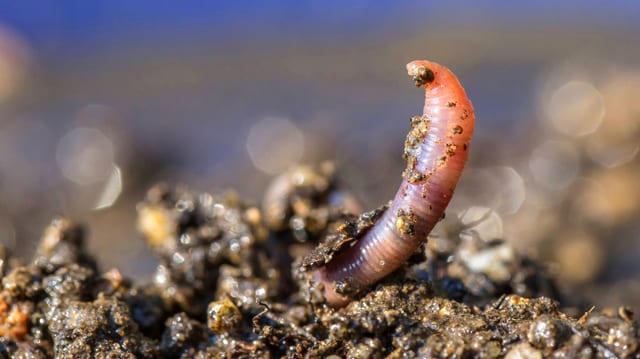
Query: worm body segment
{"type": "Point", "coordinates": [436, 150]}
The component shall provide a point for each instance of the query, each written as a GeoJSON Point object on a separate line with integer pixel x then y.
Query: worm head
{"type": "Point", "coordinates": [422, 72]}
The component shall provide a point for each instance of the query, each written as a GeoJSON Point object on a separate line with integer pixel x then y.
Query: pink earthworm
{"type": "Point", "coordinates": [436, 150]}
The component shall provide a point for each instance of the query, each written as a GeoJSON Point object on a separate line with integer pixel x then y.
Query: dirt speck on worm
{"type": "Point", "coordinates": [412, 148]}
{"type": "Point", "coordinates": [406, 222]}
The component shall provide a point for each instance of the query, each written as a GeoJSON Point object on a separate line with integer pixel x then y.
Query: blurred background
{"type": "Point", "coordinates": [98, 101]}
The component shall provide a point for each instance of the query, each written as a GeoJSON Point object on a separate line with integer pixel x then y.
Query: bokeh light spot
{"type": "Point", "coordinates": [554, 164]}
{"type": "Point", "coordinates": [274, 144]}
{"type": "Point", "coordinates": [576, 108]}
{"type": "Point", "coordinates": [85, 156]}
{"type": "Point", "coordinates": [111, 191]}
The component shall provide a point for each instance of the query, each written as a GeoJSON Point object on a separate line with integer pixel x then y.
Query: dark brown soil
{"type": "Point", "coordinates": [231, 284]}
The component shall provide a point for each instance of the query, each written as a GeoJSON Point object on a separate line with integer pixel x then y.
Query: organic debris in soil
{"type": "Point", "coordinates": [230, 285]}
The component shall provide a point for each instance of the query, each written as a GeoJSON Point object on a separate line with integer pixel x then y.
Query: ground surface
{"type": "Point", "coordinates": [230, 284]}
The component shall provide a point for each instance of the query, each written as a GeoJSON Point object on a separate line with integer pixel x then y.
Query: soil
{"type": "Point", "coordinates": [234, 282]}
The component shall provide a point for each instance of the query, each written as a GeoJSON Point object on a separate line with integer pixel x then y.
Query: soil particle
{"type": "Point", "coordinates": [421, 76]}
{"type": "Point", "coordinates": [406, 222]}
{"type": "Point", "coordinates": [305, 200]}
{"type": "Point", "coordinates": [207, 232]}
{"type": "Point", "coordinates": [547, 334]}
{"type": "Point", "coordinates": [99, 328]}
{"type": "Point", "coordinates": [182, 336]}
{"type": "Point", "coordinates": [223, 316]}
{"type": "Point", "coordinates": [347, 230]}
{"type": "Point", "coordinates": [62, 244]}
{"type": "Point", "coordinates": [412, 148]}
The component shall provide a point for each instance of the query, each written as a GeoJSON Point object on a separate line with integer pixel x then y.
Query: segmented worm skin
{"type": "Point", "coordinates": [436, 150]}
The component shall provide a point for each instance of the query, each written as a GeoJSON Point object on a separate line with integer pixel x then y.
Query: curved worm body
{"type": "Point", "coordinates": [435, 152]}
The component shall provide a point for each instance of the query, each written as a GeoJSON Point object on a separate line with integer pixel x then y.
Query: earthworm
{"type": "Point", "coordinates": [436, 150]}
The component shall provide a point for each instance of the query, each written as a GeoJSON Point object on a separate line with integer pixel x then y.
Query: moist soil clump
{"type": "Point", "coordinates": [232, 283]}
